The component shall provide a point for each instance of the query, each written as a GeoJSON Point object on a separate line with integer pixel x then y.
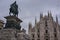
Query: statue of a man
{"type": "Point", "coordinates": [14, 9]}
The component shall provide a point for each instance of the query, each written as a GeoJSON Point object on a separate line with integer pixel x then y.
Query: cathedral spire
{"type": "Point", "coordinates": [30, 26]}
{"type": "Point", "coordinates": [41, 15]}
{"type": "Point", "coordinates": [49, 14]}
{"type": "Point", "coordinates": [56, 19]}
{"type": "Point", "coordinates": [35, 20]}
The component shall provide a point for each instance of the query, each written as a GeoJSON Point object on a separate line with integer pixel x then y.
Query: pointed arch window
{"type": "Point", "coordinates": [38, 30]}
{"type": "Point", "coordinates": [46, 31]}
{"type": "Point", "coordinates": [46, 23]}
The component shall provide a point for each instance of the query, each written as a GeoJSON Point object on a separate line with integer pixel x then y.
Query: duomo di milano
{"type": "Point", "coordinates": [45, 29]}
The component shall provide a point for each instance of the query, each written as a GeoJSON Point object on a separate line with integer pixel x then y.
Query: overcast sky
{"type": "Point", "coordinates": [30, 9]}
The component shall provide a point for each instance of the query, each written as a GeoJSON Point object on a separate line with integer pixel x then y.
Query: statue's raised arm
{"type": "Point", "coordinates": [14, 9]}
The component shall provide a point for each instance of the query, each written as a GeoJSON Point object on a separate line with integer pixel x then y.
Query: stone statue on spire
{"type": "Point", "coordinates": [14, 9]}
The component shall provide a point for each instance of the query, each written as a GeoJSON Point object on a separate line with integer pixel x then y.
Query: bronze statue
{"type": "Point", "coordinates": [14, 9]}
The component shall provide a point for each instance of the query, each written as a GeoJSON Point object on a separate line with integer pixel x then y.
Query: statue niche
{"type": "Point", "coordinates": [13, 9]}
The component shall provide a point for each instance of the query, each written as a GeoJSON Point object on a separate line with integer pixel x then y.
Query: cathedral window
{"type": "Point", "coordinates": [46, 39]}
{"type": "Point", "coordinates": [55, 35]}
{"type": "Point", "coordinates": [38, 30]}
{"type": "Point", "coordinates": [54, 29]}
{"type": "Point", "coordinates": [46, 23]}
{"type": "Point", "coordinates": [38, 39]}
{"type": "Point", "coordinates": [33, 35]}
{"type": "Point", "coordinates": [38, 36]}
{"type": "Point", "coordinates": [32, 39]}
{"type": "Point", "coordinates": [46, 31]}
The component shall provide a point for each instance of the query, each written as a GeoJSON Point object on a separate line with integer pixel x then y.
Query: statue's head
{"type": "Point", "coordinates": [15, 2]}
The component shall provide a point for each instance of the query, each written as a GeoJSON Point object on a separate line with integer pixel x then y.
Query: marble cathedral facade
{"type": "Point", "coordinates": [45, 29]}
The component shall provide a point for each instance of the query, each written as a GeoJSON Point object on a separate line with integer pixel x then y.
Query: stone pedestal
{"type": "Point", "coordinates": [13, 22]}
{"type": "Point", "coordinates": [8, 34]}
